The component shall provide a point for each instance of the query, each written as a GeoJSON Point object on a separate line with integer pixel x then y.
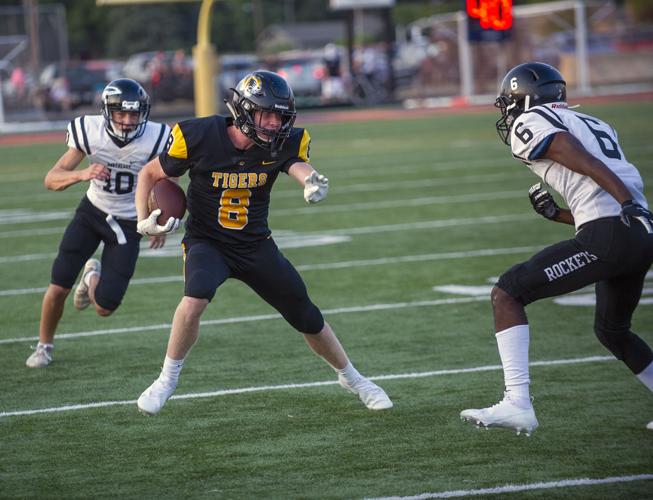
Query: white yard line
{"type": "Point", "coordinates": [329, 265]}
{"type": "Point", "coordinates": [25, 258]}
{"type": "Point", "coordinates": [384, 228]}
{"type": "Point", "coordinates": [373, 187]}
{"type": "Point", "coordinates": [267, 388]}
{"type": "Point", "coordinates": [406, 202]}
{"type": "Point", "coordinates": [513, 488]}
{"type": "Point", "coordinates": [29, 233]}
{"type": "Point", "coordinates": [247, 319]}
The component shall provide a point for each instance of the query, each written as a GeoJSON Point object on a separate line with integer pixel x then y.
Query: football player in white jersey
{"type": "Point", "coordinates": [118, 144]}
{"type": "Point", "coordinates": [578, 156]}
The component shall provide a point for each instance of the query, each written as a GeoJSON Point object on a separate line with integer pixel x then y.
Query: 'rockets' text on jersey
{"type": "Point", "coordinates": [115, 195]}
{"type": "Point", "coordinates": [229, 191]}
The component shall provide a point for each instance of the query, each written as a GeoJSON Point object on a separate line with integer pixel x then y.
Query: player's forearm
{"type": "Point", "coordinates": [299, 171]}
{"type": "Point", "coordinates": [565, 217]}
{"type": "Point", "coordinates": [568, 151]}
{"type": "Point", "coordinates": [59, 179]}
{"type": "Point", "coordinates": [609, 181]}
{"type": "Point", "coordinates": [63, 173]}
{"type": "Point", "coordinates": [149, 175]}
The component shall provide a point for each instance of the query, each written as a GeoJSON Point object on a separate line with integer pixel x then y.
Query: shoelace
{"type": "Point", "coordinates": [37, 348]}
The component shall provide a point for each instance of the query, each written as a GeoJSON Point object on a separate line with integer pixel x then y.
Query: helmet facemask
{"type": "Point", "coordinates": [263, 91]}
{"type": "Point", "coordinates": [510, 109]}
{"type": "Point", "coordinates": [524, 86]}
{"type": "Point", "coordinates": [269, 139]}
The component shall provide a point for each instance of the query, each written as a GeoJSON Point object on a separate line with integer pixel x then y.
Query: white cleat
{"type": "Point", "coordinates": [503, 414]}
{"type": "Point", "coordinates": [155, 396]}
{"type": "Point", "coordinates": [81, 300]}
{"type": "Point", "coordinates": [40, 358]}
{"type": "Point", "coordinates": [650, 426]}
{"type": "Point", "coordinates": [369, 393]}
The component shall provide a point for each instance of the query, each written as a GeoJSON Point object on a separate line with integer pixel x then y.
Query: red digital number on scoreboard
{"type": "Point", "coordinates": [493, 14]}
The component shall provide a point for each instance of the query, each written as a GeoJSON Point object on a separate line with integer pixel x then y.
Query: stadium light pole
{"type": "Point", "coordinates": [204, 54]}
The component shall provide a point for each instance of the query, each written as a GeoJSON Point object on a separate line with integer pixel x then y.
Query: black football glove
{"type": "Point", "coordinates": [633, 211]}
{"type": "Point", "coordinates": [543, 203]}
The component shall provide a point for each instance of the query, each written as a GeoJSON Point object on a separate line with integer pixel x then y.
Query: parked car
{"type": "Point", "coordinates": [166, 75]}
{"type": "Point", "coordinates": [304, 72]}
{"type": "Point", "coordinates": [79, 83]}
{"type": "Point", "coordinates": [231, 69]}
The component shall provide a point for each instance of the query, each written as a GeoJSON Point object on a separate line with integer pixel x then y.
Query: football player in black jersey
{"type": "Point", "coordinates": [233, 163]}
{"type": "Point", "coordinates": [580, 157]}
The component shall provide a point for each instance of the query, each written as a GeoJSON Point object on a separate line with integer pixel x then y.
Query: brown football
{"type": "Point", "coordinates": [170, 198]}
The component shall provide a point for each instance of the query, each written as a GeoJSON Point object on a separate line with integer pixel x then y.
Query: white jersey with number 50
{"type": "Point", "coordinates": [116, 195]}
{"type": "Point", "coordinates": [532, 134]}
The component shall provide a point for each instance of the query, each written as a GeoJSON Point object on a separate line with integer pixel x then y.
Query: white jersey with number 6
{"type": "Point", "coordinates": [532, 134]}
{"type": "Point", "coordinates": [116, 195]}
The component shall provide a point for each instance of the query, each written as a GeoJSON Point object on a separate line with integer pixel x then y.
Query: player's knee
{"type": "Point", "coordinates": [101, 311]}
{"type": "Point", "coordinates": [307, 319]}
{"type": "Point", "coordinates": [626, 346]}
{"type": "Point", "coordinates": [611, 338]}
{"type": "Point", "coordinates": [198, 288]}
{"type": "Point", "coordinates": [58, 291]}
{"type": "Point", "coordinates": [501, 300]}
{"type": "Point", "coordinates": [191, 308]}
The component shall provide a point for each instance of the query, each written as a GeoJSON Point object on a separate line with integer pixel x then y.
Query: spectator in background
{"type": "Point", "coordinates": [333, 89]}
{"type": "Point", "coordinates": [158, 69]}
{"type": "Point", "coordinates": [182, 75]}
{"type": "Point", "coordinates": [60, 94]}
{"type": "Point", "coordinates": [18, 83]}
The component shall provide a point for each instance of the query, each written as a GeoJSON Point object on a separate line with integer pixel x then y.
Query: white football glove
{"type": "Point", "coordinates": [149, 226]}
{"type": "Point", "coordinates": [316, 187]}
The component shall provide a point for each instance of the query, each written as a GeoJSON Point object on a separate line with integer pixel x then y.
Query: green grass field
{"type": "Point", "coordinates": [414, 204]}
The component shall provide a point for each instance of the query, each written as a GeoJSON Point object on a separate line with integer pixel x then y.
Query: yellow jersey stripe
{"type": "Point", "coordinates": [303, 146]}
{"type": "Point", "coordinates": [178, 147]}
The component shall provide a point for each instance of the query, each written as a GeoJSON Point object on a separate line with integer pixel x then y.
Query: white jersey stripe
{"type": "Point", "coordinates": [84, 136]}
{"type": "Point", "coordinates": [553, 121]}
{"type": "Point", "coordinates": [115, 195]}
{"type": "Point", "coordinates": [73, 135]}
{"type": "Point", "coordinates": [155, 149]}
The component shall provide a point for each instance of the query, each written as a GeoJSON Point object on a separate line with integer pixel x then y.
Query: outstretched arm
{"type": "Point", "coordinates": [315, 185]}
{"type": "Point", "coordinates": [63, 173]}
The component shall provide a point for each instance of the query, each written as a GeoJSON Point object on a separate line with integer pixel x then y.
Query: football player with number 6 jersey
{"type": "Point", "coordinates": [579, 156]}
{"type": "Point", "coordinates": [233, 163]}
{"type": "Point", "coordinates": [118, 144]}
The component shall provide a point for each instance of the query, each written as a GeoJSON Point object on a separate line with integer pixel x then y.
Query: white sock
{"type": "Point", "coordinates": [513, 349]}
{"type": "Point", "coordinates": [171, 369]}
{"type": "Point", "coordinates": [87, 278]}
{"type": "Point", "coordinates": [646, 377]}
{"type": "Point", "coordinates": [49, 347]}
{"type": "Point", "coordinates": [349, 373]}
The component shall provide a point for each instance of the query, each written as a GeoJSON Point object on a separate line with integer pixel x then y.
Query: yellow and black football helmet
{"type": "Point", "coordinates": [263, 91]}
